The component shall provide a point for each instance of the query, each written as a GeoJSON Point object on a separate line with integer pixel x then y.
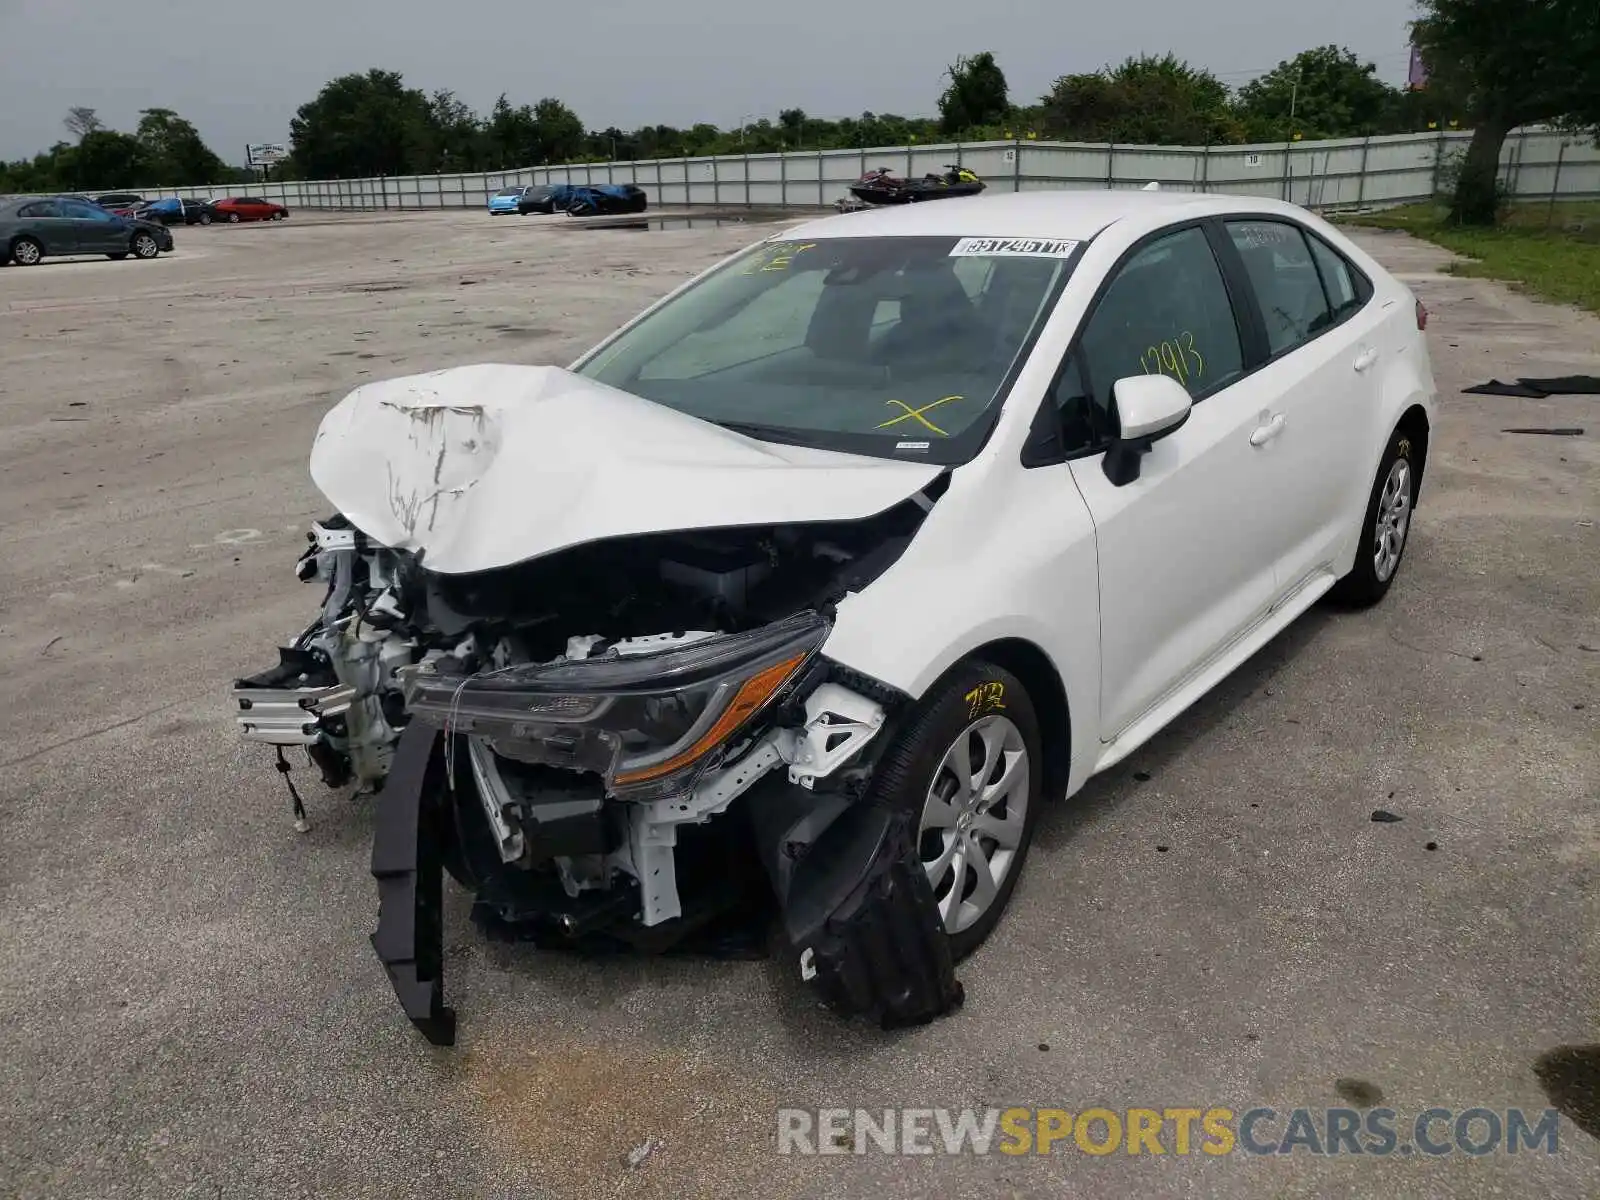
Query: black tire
{"type": "Point", "coordinates": [913, 764]}
{"type": "Point", "coordinates": [205, 218]}
{"type": "Point", "coordinates": [118, 256]}
{"type": "Point", "coordinates": [277, 216]}
{"type": "Point", "coordinates": [233, 218]}
{"type": "Point", "coordinates": [1366, 584]}
{"type": "Point", "coordinates": [144, 245]}
{"type": "Point", "coordinates": [26, 252]}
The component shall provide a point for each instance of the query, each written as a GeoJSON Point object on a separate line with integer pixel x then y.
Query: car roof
{"type": "Point", "coordinates": [1074, 214]}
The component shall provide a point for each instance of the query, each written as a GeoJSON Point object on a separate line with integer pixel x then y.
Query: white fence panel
{"type": "Point", "coordinates": [1341, 174]}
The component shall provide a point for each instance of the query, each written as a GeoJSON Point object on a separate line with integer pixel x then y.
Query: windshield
{"type": "Point", "coordinates": [516, 191]}
{"type": "Point", "coordinates": [891, 346]}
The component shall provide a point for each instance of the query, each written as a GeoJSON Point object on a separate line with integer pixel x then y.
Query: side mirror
{"type": "Point", "coordinates": [1148, 408]}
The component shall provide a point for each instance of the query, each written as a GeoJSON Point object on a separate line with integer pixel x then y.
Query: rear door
{"type": "Point", "coordinates": [1319, 388]}
{"type": "Point", "coordinates": [1184, 564]}
{"type": "Point", "coordinates": [54, 229]}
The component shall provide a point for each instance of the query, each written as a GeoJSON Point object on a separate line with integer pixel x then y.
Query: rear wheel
{"type": "Point", "coordinates": [1385, 527]}
{"type": "Point", "coordinates": [26, 252]}
{"type": "Point", "coordinates": [971, 768]}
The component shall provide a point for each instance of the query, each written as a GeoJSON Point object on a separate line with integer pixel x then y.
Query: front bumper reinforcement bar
{"type": "Point", "coordinates": [407, 863]}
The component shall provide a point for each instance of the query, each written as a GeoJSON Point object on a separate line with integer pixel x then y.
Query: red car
{"type": "Point", "coordinates": [247, 208]}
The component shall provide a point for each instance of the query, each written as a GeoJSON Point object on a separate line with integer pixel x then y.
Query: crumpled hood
{"type": "Point", "coordinates": [488, 465]}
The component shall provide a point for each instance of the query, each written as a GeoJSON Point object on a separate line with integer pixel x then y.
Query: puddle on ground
{"type": "Point", "coordinates": [1570, 1076]}
{"type": "Point", "coordinates": [1358, 1092]}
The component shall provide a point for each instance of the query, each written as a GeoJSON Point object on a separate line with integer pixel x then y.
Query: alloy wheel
{"type": "Point", "coordinates": [1392, 522]}
{"type": "Point", "coordinates": [973, 819]}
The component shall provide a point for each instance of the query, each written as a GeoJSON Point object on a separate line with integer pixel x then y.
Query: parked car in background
{"type": "Point", "coordinates": [234, 209]}
{"type": "Point", "coordinates": [521, 200]}
{"type": "Point", "coordinates": [122, 204]}
{"type": "Point", "coordinates": [606, 199]}
{"type": "Point", "coordinates": [33, 228]}
{"type": "Point", "coordinates": [175, 211]}
{"type": "Point", "coordinates": [533, 198]}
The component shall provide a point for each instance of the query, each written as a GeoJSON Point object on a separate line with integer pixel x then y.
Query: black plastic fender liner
{"type": "Point", "coordinates": [862, 917]}
{"type": "Point", "coordinates": [407, 862]}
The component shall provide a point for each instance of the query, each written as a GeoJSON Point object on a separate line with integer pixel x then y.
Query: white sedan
{"type": "Point", "coordinates": [809, 586]}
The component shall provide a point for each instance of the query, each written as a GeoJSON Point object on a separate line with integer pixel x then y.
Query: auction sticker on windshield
{"type": "Point", "coordinates": [1012, 247]}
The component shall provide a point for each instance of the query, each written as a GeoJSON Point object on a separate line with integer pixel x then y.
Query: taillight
{"type": "Point", "coordinates": [1422, 315]}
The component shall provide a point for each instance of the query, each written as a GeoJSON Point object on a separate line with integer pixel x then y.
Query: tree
{"type": "Point", "coordinates": [512, 134]}
{"type": "Point", "coordinates": [1513, 62]}
{"type": "Point", "coordinates": [560, 131]}
{"type": "Point", "coordinates": [1330, 92]}
{"type": "Point", "coordinates": [458, 135]}
{"type": "Point", "coordinates": [81, 121]}
{"type": "Point", "coordinates": [105, 158]}
{"type": "Point", "coordinates": [176, 153]}
{"type": "Point", "coordinates": [363, 125]}
{"type": "Point", "coordinates": [1145, 101]}
{"type": "Point", "coordinates": [976, 95]}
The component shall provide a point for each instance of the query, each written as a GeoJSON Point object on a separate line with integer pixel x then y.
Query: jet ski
{"type": "Point", "coordinates": [878, 186]}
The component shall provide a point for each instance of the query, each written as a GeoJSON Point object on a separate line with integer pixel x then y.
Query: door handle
{"type": "Point", "coordinates": [1262, 434]}
{"type": "Point", "coordinates": [1366, 359]}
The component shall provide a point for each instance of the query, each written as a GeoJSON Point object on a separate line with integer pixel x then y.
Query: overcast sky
{"type": "Point", "coordinates": [239, 71]}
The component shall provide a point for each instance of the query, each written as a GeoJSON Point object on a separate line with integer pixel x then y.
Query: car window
{"type": "Point", "coordinates": [1285, 280]}
{"type": "Point", "coordinates": [1166, 311]}
{"type": "Point", "coordinates": [79, 211]}
{"type": "Point", "coordinates": [1339, 278]}
{"type": "Point", "coordinates": [40, 208]}
{"type": "Point", "coordinates": [877, 345]}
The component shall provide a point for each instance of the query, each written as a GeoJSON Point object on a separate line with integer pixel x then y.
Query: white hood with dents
{"type": "Point", "coordinates": [489, 465]}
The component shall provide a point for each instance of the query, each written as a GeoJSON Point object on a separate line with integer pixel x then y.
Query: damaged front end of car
{"type": "Point", "coordinates": [618, 740]}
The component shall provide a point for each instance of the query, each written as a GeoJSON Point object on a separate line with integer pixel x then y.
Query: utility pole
{"type": "Point", "coordinates": [1288, 144]}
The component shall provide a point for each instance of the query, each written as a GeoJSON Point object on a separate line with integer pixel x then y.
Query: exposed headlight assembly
{"type": "Point", "coordinates": [647, 723]}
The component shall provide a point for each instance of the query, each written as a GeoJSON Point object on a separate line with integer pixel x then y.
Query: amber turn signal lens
{"type": "Point", "coordinates": [751, 696]}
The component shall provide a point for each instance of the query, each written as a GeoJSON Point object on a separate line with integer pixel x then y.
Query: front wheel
{"type": "Point", "coordinates": [205, 218]}
{"type": "Point", "coordinates": [144, 246]}
{"type": "Point", "coordinates": [233, 218]}
{"type": "Point", "coordinates": [1385, 527]}
{"type": "Point", "coordinates": [970, 767]}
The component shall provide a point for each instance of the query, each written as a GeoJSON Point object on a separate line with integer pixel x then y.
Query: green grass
{"type": "Point", "coordinates": [1553, 253]}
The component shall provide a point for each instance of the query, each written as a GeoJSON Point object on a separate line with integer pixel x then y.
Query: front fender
{"type": "Point", "coordinates": [1006, 554]}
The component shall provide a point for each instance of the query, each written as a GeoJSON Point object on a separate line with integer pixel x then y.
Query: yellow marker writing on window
{"type": "Point", "coordinates": [1177, 357]}
{"type": "Point", "coordinates": [782, 255]}
{"type": "Point", "coordinates": [915, 414]}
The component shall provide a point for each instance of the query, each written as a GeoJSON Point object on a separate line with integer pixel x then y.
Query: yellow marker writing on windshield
{"type": "Point", "coordinates": [916, 414]}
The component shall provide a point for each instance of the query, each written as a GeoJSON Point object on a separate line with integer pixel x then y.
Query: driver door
{"type": "Point", "coordinates": [95, 230]}
{"type": "Point", "coordinates": [1185, 559]}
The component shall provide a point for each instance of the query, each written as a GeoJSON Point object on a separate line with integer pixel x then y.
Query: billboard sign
{"type": "Point", "coordinates": [265, 154]}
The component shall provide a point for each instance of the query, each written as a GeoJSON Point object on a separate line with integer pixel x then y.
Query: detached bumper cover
{"type": "Point", "coordinates": [858, 909]}
{"type": "Point", "coordinates": [407, 863]}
